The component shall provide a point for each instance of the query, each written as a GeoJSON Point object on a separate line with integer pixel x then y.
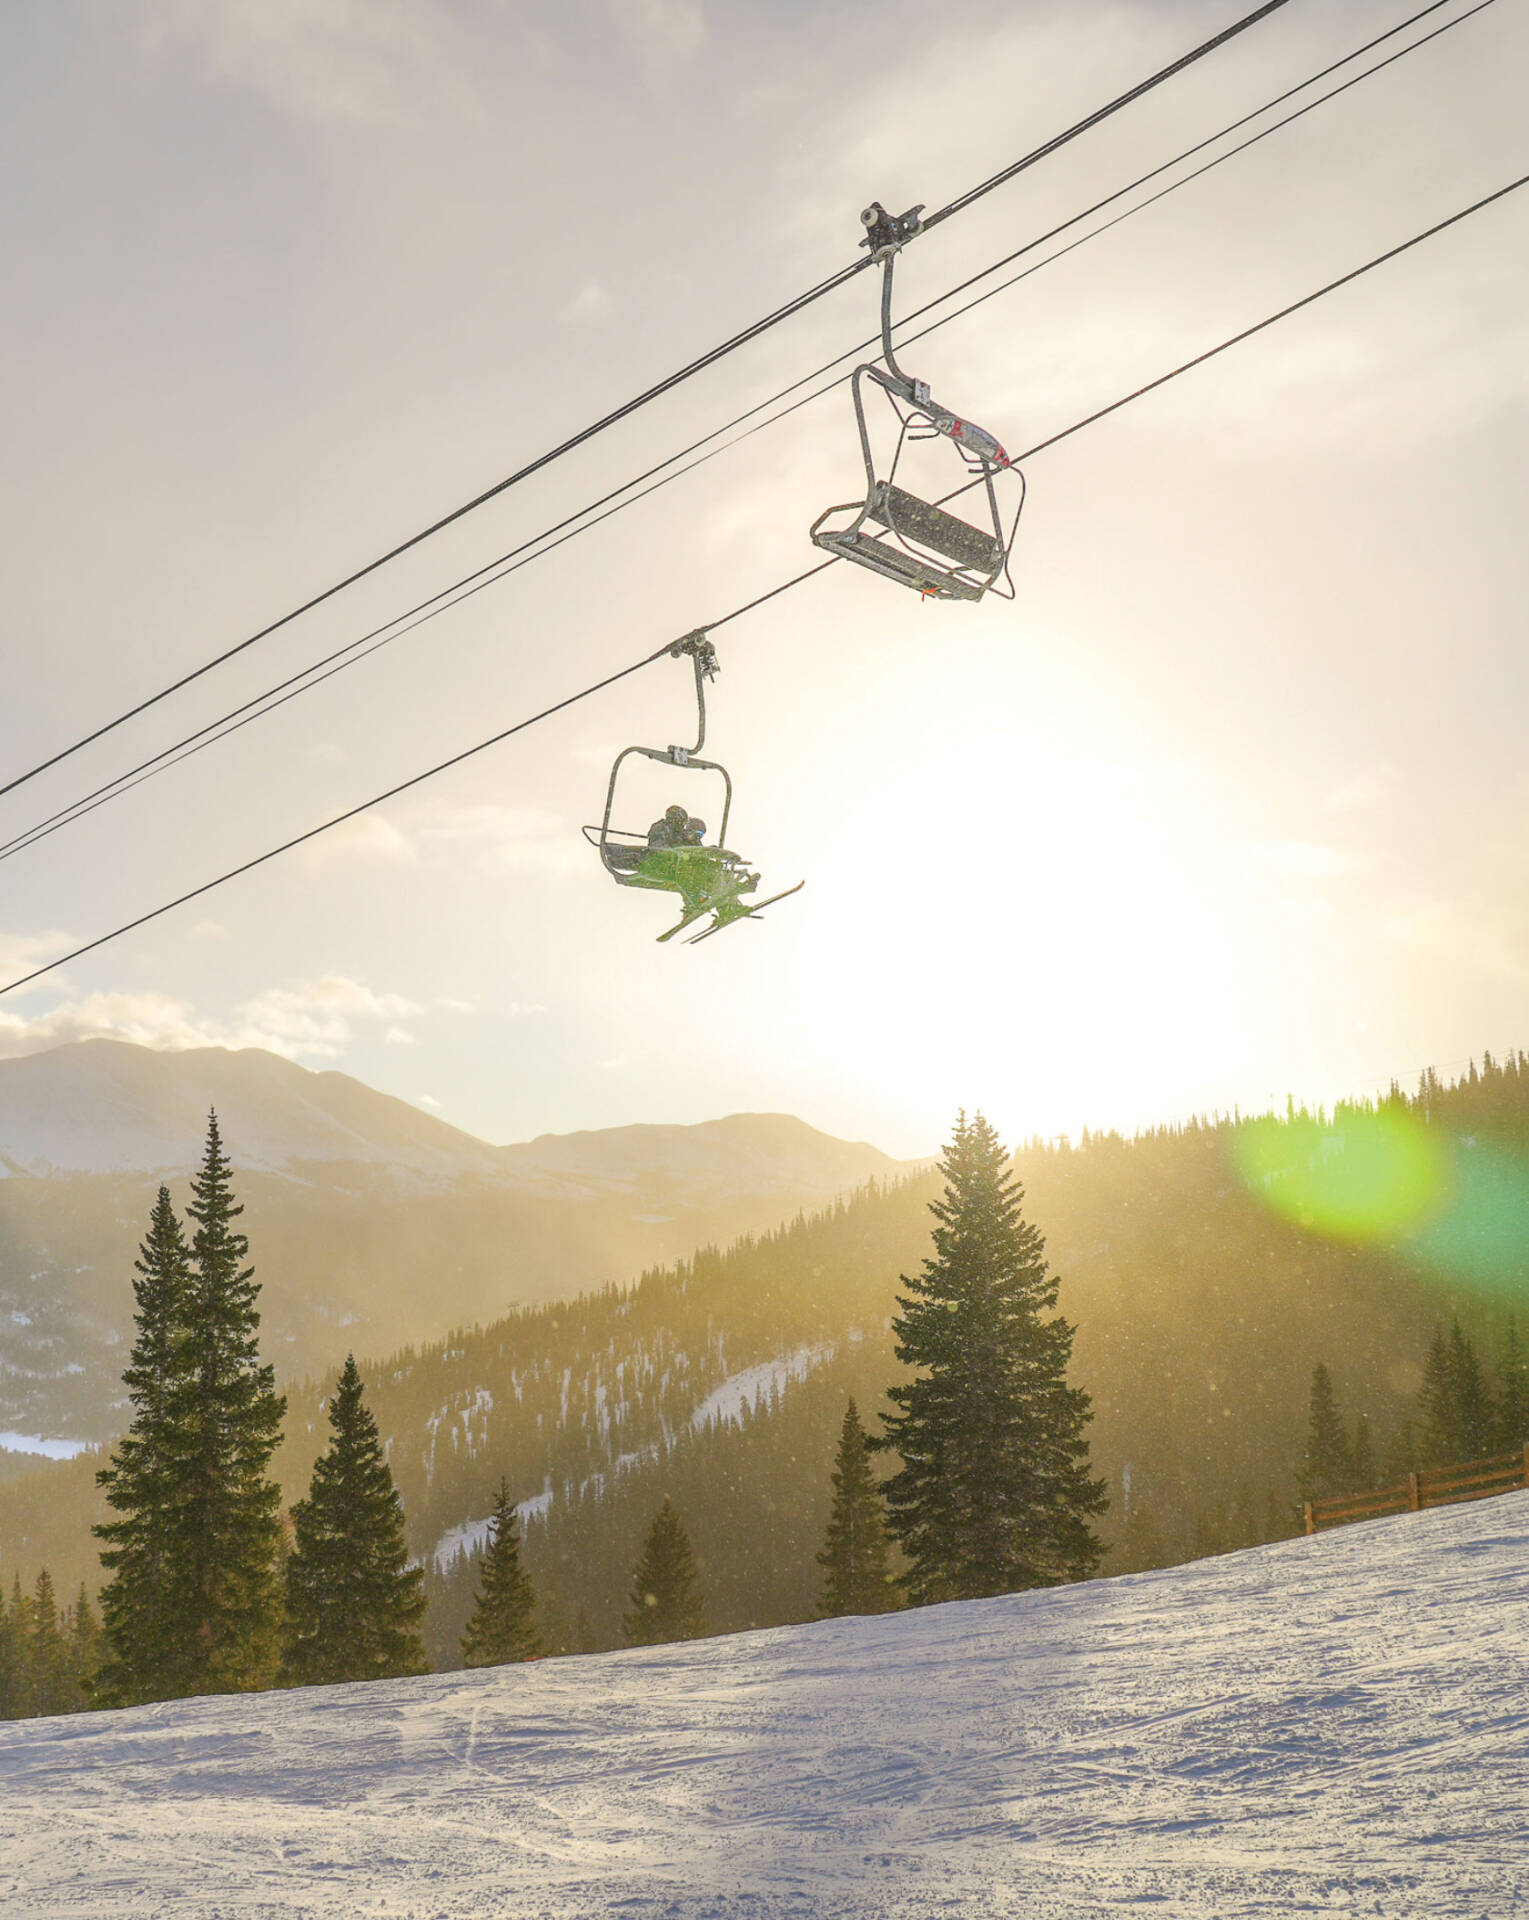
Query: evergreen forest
{"type": "Point", "coordinates": [1207, 1269]}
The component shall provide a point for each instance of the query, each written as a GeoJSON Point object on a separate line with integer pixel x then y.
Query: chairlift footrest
{"type": "Point", "coordinates": [894, 564]}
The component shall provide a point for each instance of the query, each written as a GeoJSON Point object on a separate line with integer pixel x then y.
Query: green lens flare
{"type": "Point", "coordinates": [1376, 1176]}
{"type": "Point", "coordinates": [1483, 1236]}
{"type": "Point", "coordinates": [1457, 1204]}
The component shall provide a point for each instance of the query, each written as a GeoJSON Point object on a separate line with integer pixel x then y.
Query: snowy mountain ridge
{"type": "Point", "coordinates": [1328, 1725]}
{"type": "Point", "coordinates": [109, 1107]}
{"type": "Point", "coordinates": [372, 1225]}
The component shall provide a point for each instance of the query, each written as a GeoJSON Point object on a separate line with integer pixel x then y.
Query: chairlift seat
{"type": "Point", "coordinates": [910, 518]}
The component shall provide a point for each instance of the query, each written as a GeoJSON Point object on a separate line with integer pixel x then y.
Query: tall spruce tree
{"type": "Point", "coordinates": [502, 1627]}
{"type": "Point", "coordinates": [1327, 1462]}
{"type": "Point", "coordinates": [146, 1653]}
{"type": "Point", "coordinates": [993, 1494]}
{"type": "Point", "coordinates": [856, 1576]}
{"type": "Point", "coordinates": [354, 1604]}
{"type": "Point", "coordinates": [666, 1598]}
{"type": "Point", "coordinates": [230, 1507]}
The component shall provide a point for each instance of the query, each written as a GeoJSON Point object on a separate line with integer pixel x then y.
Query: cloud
{"type": "Point", "coordinates": [1473, 934]}
{"type": "Point", "coordinates": [367, 837]}
{"type": "Point", "coordinates": [662, 29]}
{"type": "Point", "coordinates": [426, 1100]}
{"type": "Point", "coordinates": [501, 839]}
{"type": "Point", "coordinates": [20, 953]}
{"type": "Point", "coordinates": [587, 304]}
{"type": "Point", "coordinates": [1372, 790]}
{"type": "Point", "coordinates": [315, 1019]}
{"type": "Point", "coordinates": [209, 930]}
{"type": "Point", "coordinates": [335, 62]}
{"type": "Point", "coordinates": [400, 1037]}
{"type": "Point", "coordinates": [1308, 860]}
{"type": "Point", "coordinates": [146, 1019]}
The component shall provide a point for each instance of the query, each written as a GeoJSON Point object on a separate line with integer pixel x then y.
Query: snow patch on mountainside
{"type": "Point", "coordinates": [757, 1386]}
{"type": "Point", "coordinates": [1328, 1725]}
{"type": "Point", "coordinates": [472, 1535]}
{"type": "Point", "coordinates": [740, 1393]}
{"type": "Point", "coordinates": [49, 1449]}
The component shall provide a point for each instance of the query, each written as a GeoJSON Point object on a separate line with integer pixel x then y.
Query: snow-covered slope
{"type": "Point", "coordinates": [1338, 1725]}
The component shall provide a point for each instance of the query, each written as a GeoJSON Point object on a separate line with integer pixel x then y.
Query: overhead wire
{"type": "Point", "coordinates": [785, 586]}
{"type": "Point", "coordinates": [588, 516]}
{"type": "Point", "coordinates": [745, 335]}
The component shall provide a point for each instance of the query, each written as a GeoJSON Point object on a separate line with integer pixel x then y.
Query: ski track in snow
{"type": "Point", "coordinates": [1337, 1725]}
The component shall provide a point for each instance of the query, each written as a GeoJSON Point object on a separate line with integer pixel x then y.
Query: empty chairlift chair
{"type": "Point", "coordinates": [919, 544]}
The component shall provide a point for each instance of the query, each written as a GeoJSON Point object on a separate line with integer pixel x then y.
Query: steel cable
{"type": "Point", "coordinates": [538, 545]}
{"type": "Point", "coordinates": [785, 586]}
{"type": "Point", "coordinates": [666, 385]}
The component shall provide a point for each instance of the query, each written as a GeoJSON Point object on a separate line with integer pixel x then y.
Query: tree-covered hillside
{"type": "Point", "coordinates": [1207, 1268]}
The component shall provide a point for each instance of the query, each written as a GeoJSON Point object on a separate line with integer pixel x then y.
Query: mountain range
{"type": "Point", "coordinates": [373, 1224]}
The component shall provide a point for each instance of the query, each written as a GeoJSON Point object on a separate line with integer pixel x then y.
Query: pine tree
{"type": "Point", "coordinates": [1363, 1477]}
{"type": "Point", "coordinates": [1439, 1439]}
{"type": "Point", "coordinates": [993, 1493]}
{"type": "Point", "coordinates": [554, 1623]}
{"type": "Point", "coordinates": [1327, 1464]}
{"type": "Point", "coordinates": [1477, 1415]}
{"type": "Point", "coordinates": [230, 1508]}
{"type": "Point", "coordinates": [11, 1676]}
{"type": "Point", "coordinates": [503, 1623]}
{"type": "Point", "coordinates": [1459, 1420]}
{"type": "Point", "coordinates": [666, 1601]}
{"type": "Point", "coordinates": [146, 1656]}
{"type": "Point", "coordinates": [1513, 1399]}
{"type": "Point", "coordinates": [857, 1578]}
{"type": "Point", "coordinates": [50, 1677]}
{"type": "Point", "coordinates": [83, 1630]}
{"type": "Point", "coordinates": [354, 1604]}
{"type": "Point", "coordinates": [1402, 1454]}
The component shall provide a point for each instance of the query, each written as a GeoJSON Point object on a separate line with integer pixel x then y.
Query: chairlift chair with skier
{"type": "Point", "coordinates": [672, 856]}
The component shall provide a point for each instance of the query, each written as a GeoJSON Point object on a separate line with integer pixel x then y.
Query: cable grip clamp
{"type": "Point", "coordinates": [886, 233]}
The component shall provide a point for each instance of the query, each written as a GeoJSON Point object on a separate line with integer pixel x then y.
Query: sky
{"type": "Point", "coordinates": [1225, 806]}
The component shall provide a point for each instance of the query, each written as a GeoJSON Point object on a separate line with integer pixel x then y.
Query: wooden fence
{"type": "Point", "coordinates": [1438, 1487]}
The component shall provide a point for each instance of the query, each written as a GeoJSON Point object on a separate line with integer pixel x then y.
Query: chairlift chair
{"type": "Point", "coordinates": [921, 546]}
{"type": "Point", "coordinates": [709, 879]}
